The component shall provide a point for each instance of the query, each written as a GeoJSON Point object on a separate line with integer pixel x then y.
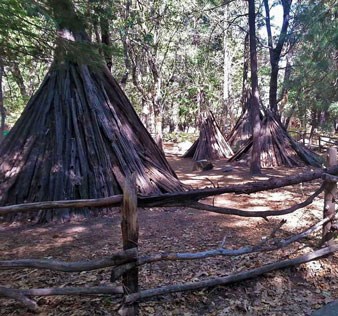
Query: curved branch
{"type": "Point", "coordinates": [18, 296]}
{"type": "Point", "coordinates": [263, 214]}
{"type": "Point", "coordinates": [119, 258]}
{"type": "Point", "coordinates": [176, 198]}
{"type": "Point", "coordinates": [191, 286]}
{"type": "Point", "coordinates": [110, 201]}
{"type": "Point", "coordinates": [21, 294]}
{"type": "Point", "coordinates": [267, 245]}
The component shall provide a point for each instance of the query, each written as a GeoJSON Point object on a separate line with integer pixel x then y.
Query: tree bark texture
{"type": "Point", "coordinates": [255, 159]}
{"type": "Point", "coordinates": [230, 279]}
{"type": "Point", "coordinates": [278, 147]}
{"type": "Point", "coordinates": [242, 131]}
{"type": "Point", "coordinates": [275, 52]}
{"type": "Point", "coordinates": [79, 137]}
{"type": "Point", "coordinates": [330, 200]}
{"type": "Point", "coordinates": [130, 232]}
{"type": "Point", "coordinates": [210, 144]}
{"type": "Point", "coordinates": [2, 107]}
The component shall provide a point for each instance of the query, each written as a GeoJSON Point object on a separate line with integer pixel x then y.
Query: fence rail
{"type": "Point", "coordinates": [125, 263]}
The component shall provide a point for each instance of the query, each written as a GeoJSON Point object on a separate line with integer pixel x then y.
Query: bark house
{"type": "Point", "coordinates": [79, 136]}
{"type": "Point", "coordinates": [210, 144]}
{"type": "Point", "coordinates": [277, 147]}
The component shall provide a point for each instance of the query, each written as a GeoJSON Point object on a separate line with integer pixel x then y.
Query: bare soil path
{"type": "Point", "coordinates": [296, 291]}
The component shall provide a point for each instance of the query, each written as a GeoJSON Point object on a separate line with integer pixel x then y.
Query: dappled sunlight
{"type": "Point", "coordinates": [187, 230]}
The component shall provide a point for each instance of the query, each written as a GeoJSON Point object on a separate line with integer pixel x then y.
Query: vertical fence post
{"type": "Point", "coordinates": [329, 199]}
{"type": "Point", "coordinates": [130, 231]}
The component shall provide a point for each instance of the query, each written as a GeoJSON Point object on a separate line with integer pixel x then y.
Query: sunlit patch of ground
{"type": "Point", "coordinates": [294, 291]}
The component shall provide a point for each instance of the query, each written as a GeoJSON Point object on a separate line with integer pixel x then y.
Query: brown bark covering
{"type": "Point", "coordinates": [330, 200]}
{"type": "Point", "coordinates": [79, 136]}
{"type": "Point", "coordinates": [254, 114]}
{"type": "Point", "coordinates": [210, 144]}
{"type": "Point", "coordinates": [242, 130]}
{"type": "Point", "coordinates": [278, 148]}
{"type": "Point", "coordinates": [130, 232]}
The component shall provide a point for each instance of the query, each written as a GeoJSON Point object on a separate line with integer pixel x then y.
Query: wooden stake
{"type": "Point", "coordinates": [329, 199]}
{"type": "Point", "coordinates": [129, 226]}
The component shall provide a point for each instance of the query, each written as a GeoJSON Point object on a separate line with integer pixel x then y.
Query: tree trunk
{"type": "Point", "coordinates": [255, 163]}
{"type": "Point", "coordinates": [124, 39]}
{"type": "Point", "coordinates": [226, 66]}
{"type": "Point", "coordinates": [246, 59]}
{"type": "Point", "coordinates": [2, 108]}
{"type": "Point", "coordinates": [274, 61]}
{"type": "Point", "coordinates": [330, 201]}
{"type": "Point", "coordinates": [16, 72]}
{"type": "Point", "coordinates": [275, 52]}
{"type": "Point", "coordinates": [105, 37]}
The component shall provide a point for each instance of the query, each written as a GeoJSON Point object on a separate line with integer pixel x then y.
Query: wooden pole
{"type": "Point", "coordinates": [129, 226]}
{"type": "Point", "coordinates": [329, 200]}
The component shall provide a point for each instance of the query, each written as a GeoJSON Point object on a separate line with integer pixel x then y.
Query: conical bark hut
{"type": "Point", "coordinates": [241, 132]}
{"type": "Point", "coordinates": [278, 148]}
{"type": "Point", "coordinates": [78, 138]}
{"type": "Point", "coordinates": [210, 144]}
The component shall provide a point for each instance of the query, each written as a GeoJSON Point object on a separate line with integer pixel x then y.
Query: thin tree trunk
{"type": "Point", "coordinates": [226, 66]}
{"type": "Point", "coordinates": [106, 40]}
{"type": "Point", "coordinates": [246, 59]}
{"type": "Point", "coordinates": [275, 52]}
{"type": "Point", "coordinates": [255, 163]}
{"type": "Point", "coordinates": [2, 108]}
{"type": "Point", "coordinates": [16, 72]}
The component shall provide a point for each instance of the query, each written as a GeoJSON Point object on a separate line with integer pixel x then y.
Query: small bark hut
{"type": "Point", "coordinates": [78, 138]}
{"type": "Point", "coordinates": [241, 132]}
{"type": "Point", "coordinates": [277, 147]}
{"type": "Point", "coordinates": [210, 144]}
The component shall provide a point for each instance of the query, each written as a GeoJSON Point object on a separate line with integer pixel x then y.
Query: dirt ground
{"type": "Point", "coordinates": [295, 291]}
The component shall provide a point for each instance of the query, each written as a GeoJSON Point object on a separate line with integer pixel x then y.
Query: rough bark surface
{"type": "Point", "coordinates": [210, 144]}
{"type": "Point", "coordinates": [79, 136]}
{"type": "Point", "coordinates": [242, 130]}
{"type": "Point", "coordinates": [277, 147]}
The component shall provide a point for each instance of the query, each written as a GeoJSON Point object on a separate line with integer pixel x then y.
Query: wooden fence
{"type": "Point", "coordinates": [316, 140]}
{"type": "Point", "coordinates": [125, 263]}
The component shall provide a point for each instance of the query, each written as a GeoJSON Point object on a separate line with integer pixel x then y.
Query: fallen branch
{"type": "Point", "coordinates": [21, 295]}
{"type": "Point", "coordinates": [329, 178]}
{"type": "Point", "coordinates": [192, 286]}
{"type": "Point", "coordinates": [185, 198]}
{"type": "Point", "coordinates": [274, 244]}
{"type": "Point", "coordinates": [131, 255]}
{"type": "Point", "coordinates": [68, 291]}
{"type": "Point", "coordinates": [110, 201]}
{"type": "Point", "coordinates": [119, 258]}
{"type": "Point", "coordinates": [18, 296]}
{"type": "Point", "coordinates": [263, 214]}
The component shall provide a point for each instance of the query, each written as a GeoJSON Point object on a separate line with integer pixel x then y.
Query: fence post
{"type": "Point", "coordinates": [329, 199]}
{"type": "Point", "coordinates": [130, 232]}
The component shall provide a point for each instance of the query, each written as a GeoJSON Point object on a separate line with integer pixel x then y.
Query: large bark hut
{"type": "Point", "coordinates": [277, 147]}
{"type": "Point", "coordinates": [210, 144]}
{"type": "Point", "coordinates": [79, 137]}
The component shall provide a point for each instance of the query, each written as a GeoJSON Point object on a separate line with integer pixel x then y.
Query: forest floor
{"type": "Point", "coordinates": [294, 291]}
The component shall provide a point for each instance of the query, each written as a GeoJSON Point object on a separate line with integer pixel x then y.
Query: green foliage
{"type": "Point", "coordinates": [314, 82]}
{"type": "Point", "coordinates": [172, 51]}
{"type": "Point", "coordinates": [179, 137]}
